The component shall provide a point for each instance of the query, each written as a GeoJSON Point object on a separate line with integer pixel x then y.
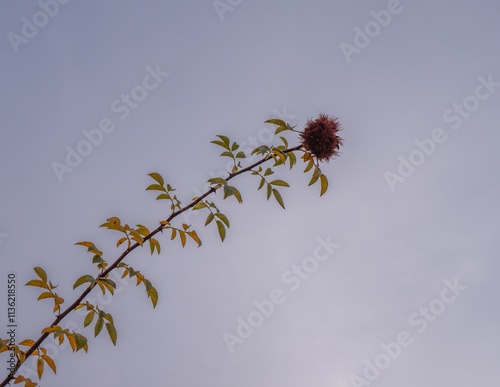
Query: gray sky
{"type": "Point", "coordinates": [410, 209]}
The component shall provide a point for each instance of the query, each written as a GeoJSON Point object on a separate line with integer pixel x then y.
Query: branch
{"type": "Point", "coordinates": [104, 274]}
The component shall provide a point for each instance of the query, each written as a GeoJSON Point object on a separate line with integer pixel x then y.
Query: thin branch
{"type": "Point", "coordinates": [78, 301]}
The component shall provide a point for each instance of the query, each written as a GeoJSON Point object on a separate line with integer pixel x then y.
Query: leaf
{"type": "Point", "coordinates": [227, 154]}
{"type": "Point", "coordinates": [314, 179]}
{"type": "Point", "coordinates": [262, 181]}
{"type": "Point", "coordinates": [153, 294]}
{"type": "Point", "coordinates": [51, 329]}
{"type": "Point", "coordinates": [280, 129]}
{"type": "Point", "coordinates": [45, 295]}
{"type": "Point", "coordinates": [324, 184]}
{"type": "Point", "coordinates": [280, 183]}
{"type": "Point", "coordinates": [276, 122]}
{"type": "Point", "coordinates": [222, 217]}
{"type": "Point", "coordinates": [88, 318]}
{"type": "Point", "coordinates": [110, 284]}
{"type": "Point", "coordinates": [83, 279]}
{"type": "Point", "coordinates": [240, 155]}
{"type": "Point", "coordinates": [269, 191]}
{"type": "Point", "coordinates": [309, 166]}
{"type": "Point", "coordinates": [49, 362]}
{"type": "Point", "coordinates": [278, 198]}
{"type": "Point", "coordinates": [280, 154]}
{"type": "Point", "coordinates": [98, 259]}
{"type": "Point", "coordinates": [80, 341]}
{"type": "Point", "coordinates": [210, 217]}
{"type": "Point", "coordinates": [217, 180]}
{"type": "Point", "coordinates": [158, 178]}
{"type": "Point", "coordinates": [27, 342]}
{"type": "Point", "coordinates": [224, 139]}
{"type": "Point", "coordinates": [237, 195]}
{"type": "Point", "coordinates": [98, 326]}
{"type": "Point", "coordinates": [153, 243]}
{"type": "Point", "coordinates": [292, 158]}
{"type": "Point", "coordinates": [37, 283]}
{"type": "Point", "coordinates": [234, 147]}
{"type": "Point", "coordinates": [268, 172]}
{"type": "Point", "coordinates": [222, 230]}
{"type": "Point", "coordinates": [39, 367]}
{"type": "Point", "coordinates": [220, 143]}
{"type": "Point", "coordinates": [156, 187]}
{"type": "Point", "coordinates": [112, 332]}
{"type": "Point", "coordinates": [41, 273]}
{"type": "Point", "coordinates": [162, 196]}
{"type": "Point", "coordinates": [193, 235]}
{"type": "Point", "coordinates": [174, 232]}
{"type": "Point", "coordinates": [199, 206]}
{"type": "Point", "coordinates": [86, 244]}
{"type": "Point", "coordinates": [228, 191]}
{"type": "Point", "coordinates": [182, 235]}
{"type": "Point", "coordinates": [120, 241]}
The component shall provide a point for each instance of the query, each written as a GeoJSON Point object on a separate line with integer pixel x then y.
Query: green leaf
{"type": "Point", "coordinates": [227, 154]}
{"type": "Point", "coordinates": [88, 318]}
{"type": "Point", "coordinates": [262, 181]}
{"type": "Point", "coordinates": [217, 180]}
{"type": "Point", "coordinates": [237, 195]}
{"type": "Point", "coordinates": [240, 155]}
{"type": "Point", "coordinates": [280, 129]}
{"type": "Point", "coordinates": [234, 147]}
{"type": "Point", "coordinates": [222, 230]}
{"type": "Point", "coordinates": [158, 178]}
{"type": "Point", "coordinates": [199, 206]}
{"type": "Point", "coordinates": [41, 273]}
{"type": "Point", "coordinates": [222, 217]}
{"type": "Point", "coordinates": [156, 187]}
{"type": "Point", "coordinates": [324, 184]}
{"type": "Point", "coordinates": [224, 139]}
{"type": "Point", "coordinates": [269, 191]}
{"type": "Point", "coordinates": [153, 243]}
{"type": "Point", "coordinates": [280, 183]}
{"type": "Point", "coordinates": [112, 332]}
{"type": "Point", "coordinates": [228, 191]}
{"type": "Point", "coordinates": [278, 197]}
{"type": "Point", "coordinates": [210, 217]}
{"type": "Point", "coordinates": [285, 142]}
{"type": "Point", "coordinates": [268, 172]}
{"type": "Point", "coordinates": [220, 143]}
{"type": "Point", "coordinates": [276, 122]}
{"type": "Point", "coordinates": [314, 179]}
{"type": "Point", "coordinates": [163, 196]}
{"type": "Point", "coordinates": [309, 166]}
{"type": "Point", "coordinates": [98, 326]}
{"type": "Point", "coordinates": [98, 259]}
{"type": "Point", "coordinates": [292, 158]}
{"type": "Point", "coordinates": [80, 340]}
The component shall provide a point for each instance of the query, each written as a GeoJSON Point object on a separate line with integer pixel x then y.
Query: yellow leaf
{"type": "Point", "coordinates": [120, 241]}
{"type": "Point", "coordinates": [41, 273]}
{"type": "Point", "coordinates": [45, 295]}
{"type": "Point", "coordinates": [27, 342]}
{"type": "Point", "coordinates": [324, 184]}
{"type": "Point", "coordinates": [39, 367]}
{"type": "Point", "coordinates": [71, 340]}
{"type": "Point", "coordinates": [38, 283]}
{"type": "Point", "coordinates": [182, 234]}
{"type": "Point", "coordinates": [49, 362]}
{"type": "Point", "coordinates": [86, 244]}
{"type": "Point", "coordinates": [51, 329]}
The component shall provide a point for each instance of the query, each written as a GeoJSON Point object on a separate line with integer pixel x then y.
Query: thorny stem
{"type": "Point", "coordinates": [82, 296]}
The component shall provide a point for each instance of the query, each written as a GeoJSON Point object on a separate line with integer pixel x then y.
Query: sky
{"type": "Point", "coordinates": [390, 278]}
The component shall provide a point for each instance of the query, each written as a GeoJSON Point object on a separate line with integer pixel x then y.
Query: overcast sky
{"type": "Point", "coordinates": [391, 278]}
